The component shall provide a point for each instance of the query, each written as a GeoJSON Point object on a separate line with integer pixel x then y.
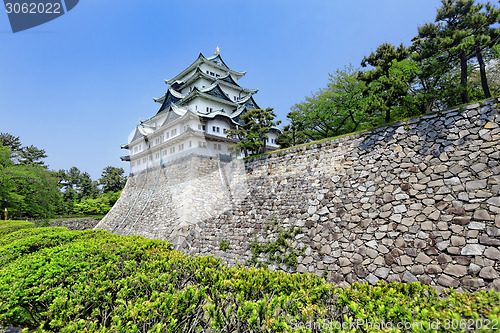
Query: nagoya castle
{"type": "Point", "coordinates": [202, 103]}
{"type": "Point", "coordinates": [184, 169]}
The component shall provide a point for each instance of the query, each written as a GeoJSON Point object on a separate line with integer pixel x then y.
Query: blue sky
{"type": "Point", "coordinates": [78, 85]}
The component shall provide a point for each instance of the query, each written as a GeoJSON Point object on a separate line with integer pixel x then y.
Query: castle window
{"type": "Point", "coordinates": [217, 75]}
{"type": "Point", "coordinates": [218, 146]}
{"type": "Point", "coordinates": [143, 160]}
{"type": "Point", "coordinates": [199, 144]}
{"type": "Point", "coordinates": [208, 72]}
{"type": "Point", "coordinates": [164, 152]}
{"type": "Point", "coordinates": [204, 127]}
{"type": "Point", "coordinates": [167, 135]}
{"type": "Point", "coordinates": [190, 144]}
{"type": "Point", "coordinates": [138, 162]}
{"type": "Point", "coordinates": [212, 73]}
{"type": "Point", "coordinates": [218, 129]}
{"type": "Point", "coordinates": [213, 128]}
{"type": "Point", "coordinates": [157, 155]}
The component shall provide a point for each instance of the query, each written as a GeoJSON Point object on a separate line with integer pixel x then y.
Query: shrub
{"type": "Point", "coordinates": [92, 281]}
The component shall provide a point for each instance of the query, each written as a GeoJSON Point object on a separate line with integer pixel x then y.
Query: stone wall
{"type": "Point", "coordinates": [75, 224]}
{"type": "Point", "coordinates": [415, 201]}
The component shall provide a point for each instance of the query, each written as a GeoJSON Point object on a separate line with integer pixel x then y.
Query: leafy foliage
{"type": "Point", "coordinates": [112, 179]}
{"type": "Point", "coordinates": [332, 111]}
{"type": "Point", "coordinates": [449, 62]}
{"type": "Point", "coordinates": [29, 189]}
{"type": "Point", "coordinates": [92, 281]}
{"type": "Point", "coordinates": [224, 245]}
{"type": "Point", "coordinates": [388, 83]}
{"type": "Point", "coordinates": [19, 154]}
{"type": "Point", "coordinates": [252, 135]}
{"type": "Point", "coordinates": [278, 250]}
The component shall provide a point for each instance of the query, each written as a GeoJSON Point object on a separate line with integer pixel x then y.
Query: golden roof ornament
{"type": "Point", "coordinates": [217, 50]}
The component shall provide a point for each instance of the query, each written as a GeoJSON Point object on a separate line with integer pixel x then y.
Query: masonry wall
{"type": "Point", "coordinates": [416, 201]}
{"type": "Point", "coordinates": [75, 224]}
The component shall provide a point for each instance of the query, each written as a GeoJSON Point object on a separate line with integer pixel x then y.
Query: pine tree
{"type": "Point", "coordinates": [384, 90]}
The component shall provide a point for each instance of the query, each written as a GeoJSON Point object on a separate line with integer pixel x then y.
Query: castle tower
{"type": "Point", "coordinates": [200, 105]}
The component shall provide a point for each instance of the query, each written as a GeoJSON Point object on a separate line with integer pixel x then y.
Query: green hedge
{"type": "Point", "coordinates": [92, 281]}
{"type": "Point", "coordinates": [7, 227]}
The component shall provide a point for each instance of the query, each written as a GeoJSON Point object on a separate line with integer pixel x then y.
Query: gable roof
{"type": "Point", "coordinates": [214, 93]}
{"type": "Point", "coordinates": [216, 58]}
{"type": "Point", "coordinates": [171, 96]}
{"type": "Point", "coordinates": [215, 61]}
{"type": "Point", "coordinates": [226, 80]}
{"type": "Point", "coordinates": [248, 102]}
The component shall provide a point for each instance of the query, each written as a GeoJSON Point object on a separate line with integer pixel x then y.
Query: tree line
{"type": "Point", "coordinates": [28, 189]}
{"type": "Point", "coordinates": [451, 61]}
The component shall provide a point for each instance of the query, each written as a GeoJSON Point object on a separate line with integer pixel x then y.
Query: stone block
{"type": "Point", "coordinates": [382, 272]}
{"type": "Point", "coordinates": [455, 270]}
{"type": "Point", "coordinates": [326, 249]}
{"type": "Point", "coordinates": [344, 262]}
{"type": "Point", "coordinates": [422, 258]}
{"type": "Point", "coordinates": [457, 240]}
{"type": "Point", "coordinates": [481, 215]}
{"type": "Point", "coordinates": [489, 273]}
{"type": "Point", "coordinates": [372, 279]}
{"type": "Point", "coordinates": [399, 209]}
{"type": "Point", "coordinates": [472, 282]}
{"type": "Point", "coordinates": [406, 260]}
{"type": "Point", "coordinates": [485, 240]}
{"type": "Point", "coordinates": [372, 244]}
{"type": "Point", "coordinates": [443, 258]}
{"type": "Point", "coordinates": [301, 268]}
{"type": "Point", "coordinates": [473, 250]}
{"type": "Point", "coordinates": [492, 253]}
{"type": "Point", "coordinates": [475, 185]}
{"type": "Point", "coordinates": [473, 269]}
{"type": "Point", "coordinates": [409, 277]}
{"type": "Point", "coordinates": [433, 269]}
{"type": "Point", "coordinates": [427, 225]}
{"type": "Point", "coordinates": [393, 278]}
{"type": "Point", "coordinates": [417, 270]}
{"type": "Point", "coordinates": [448, 281]}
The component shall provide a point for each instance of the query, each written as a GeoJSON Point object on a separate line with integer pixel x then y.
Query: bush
{"type": "Point", "coordinates": [7, 227]}
{"type": "Point", "coordinates": [93, 281]}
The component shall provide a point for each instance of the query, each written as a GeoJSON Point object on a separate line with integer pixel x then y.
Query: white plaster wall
{"type": "Point", "coordinates": [200, 105]}
{"type": "Point", "coordinates": [272, 139]}
{"type": "Point", "coordinates": [207, 67]}
{"type": "Point", "coordinates": [223, 125]}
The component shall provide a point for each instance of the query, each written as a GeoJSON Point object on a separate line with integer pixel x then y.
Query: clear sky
{"type": "Point", "coordinates": [78, 85]}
